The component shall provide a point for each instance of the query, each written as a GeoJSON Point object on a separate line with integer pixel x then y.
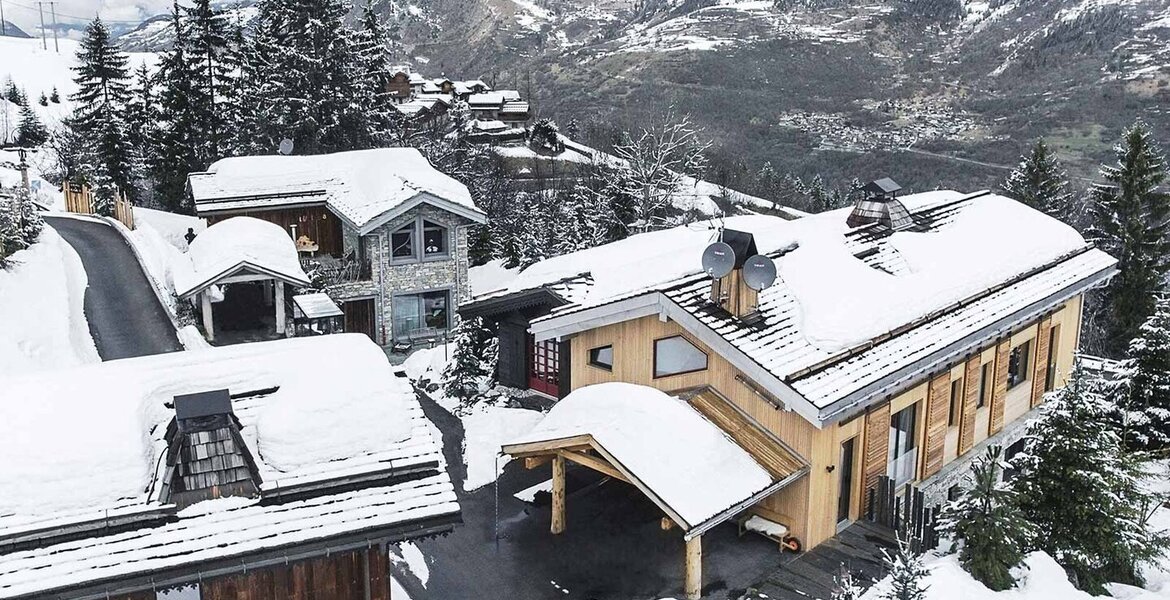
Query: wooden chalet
{"type": "Point", "coordinates": [230, 475]}
{"type": "Point", "coordinates": [881, 350]}
{"type": "Point", "coordinates": [383, 230]}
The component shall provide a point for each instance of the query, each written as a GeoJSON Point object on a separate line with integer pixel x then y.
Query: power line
{"type": "Point", "coordinates": [77, 18]}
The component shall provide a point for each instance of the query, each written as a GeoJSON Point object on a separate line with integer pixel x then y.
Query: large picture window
{"type": "Point", "coordinates": [1018, 363]}
{"type": "Point", "coordinates": [675, 355]}
{"type": "Point", "coordinates": [903, 446]}
{"type": "Point", "coordinates": [421, 315]}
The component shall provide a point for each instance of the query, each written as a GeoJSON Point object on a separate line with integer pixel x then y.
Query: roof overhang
{"type": "Point", "coordinates": [494, 305]}
{"type": "Point", "coordinates": [472, 214]}
{"type": "Point", "coordinates": [239, 268]}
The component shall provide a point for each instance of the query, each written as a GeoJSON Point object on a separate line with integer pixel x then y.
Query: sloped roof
{"type": "Point", "coordinates": [363, 187]}
{"type": "Point", "coordinates": [689, 466]}
{"type": "Point", "coordinates": [238, 244]}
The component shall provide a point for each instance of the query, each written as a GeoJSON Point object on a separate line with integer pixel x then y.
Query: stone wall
{"type": "Point", "coordinates": [958, 471]}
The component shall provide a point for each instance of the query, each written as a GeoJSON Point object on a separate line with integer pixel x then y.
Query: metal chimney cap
{"type": "Point", "coordinates": [882, 187]}
{"type": "Point", "coordinates": [203, 404]}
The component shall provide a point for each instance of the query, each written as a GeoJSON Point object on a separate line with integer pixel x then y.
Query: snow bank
{"type": "Point", "coordinates": [171, 226]}
{"type": "Point", "coordinates": [844, 302]}
{"type": "Point", "coordinates": [484, 431]}
{"type": "Point", "coordinates": [235, 241]}
{"type": "Point", "coordinates": [159, 259]}
{"type": "Point", "coordinates": [42, 297]}
{"type": "Point", "coordinates": [685, 459]}
{"type": "Point", "coordinates": [490, 277]}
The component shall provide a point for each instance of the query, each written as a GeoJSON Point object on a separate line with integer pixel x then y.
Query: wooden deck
{"type": "Point", "coordinates": [810, 575]}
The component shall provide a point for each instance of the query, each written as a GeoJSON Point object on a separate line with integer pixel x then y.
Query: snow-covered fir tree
{"type": "Point", "coordinates": [474, 360]}
{"type": "Point", "coordinates": [109, 163]}
{"type": "Point", "coordinates": [1130, 215]}
{"type": "Point", "coordinates": [206, 40]}
{"type": "Point", "coordinates": [906, 574]}
{"type": "Point", "coordinates": [54, 97]}
{"type": "Point", "coordinates": [845, 586]}
{"type": "Point", "coordinates": [373, 64]}
{"type": "Point", "coordinates": [1142, 391]}
{"type": "Point", "coordinates": [1040, 181]}
{"type": "Point", "coordinates": [988, 525]}
{"type": "Point", "coordinates": [1082, 491]}
{"type": "Point", "coordinates": [177, 151]}
{"type": "Point", "coordinates": [13, 94]}
{"type": "Point", "coordinates": [20, 224]}
{"type": "Point", "coordinates": [142, 113]}
{"type": "Point", "coordinates": [31, 132]}
{"type": "Point", "coordinates": [43, 100]}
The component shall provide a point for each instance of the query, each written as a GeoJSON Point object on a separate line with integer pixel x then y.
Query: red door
{"type": "Point", "coordinates": [543, 366]}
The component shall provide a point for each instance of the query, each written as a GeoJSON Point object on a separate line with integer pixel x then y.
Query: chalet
{"type": "Point", "coordinates": [887, 342]}
{"type": "Point", "coordinates": [398, 86]}
{"type": "Point", "coordinates": [267, 471]}
{"type": "Point", "coordinates": [382, 231]}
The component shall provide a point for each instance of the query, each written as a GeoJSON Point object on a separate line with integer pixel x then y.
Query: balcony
{"type": "Point", "coordinates": [326, 271]}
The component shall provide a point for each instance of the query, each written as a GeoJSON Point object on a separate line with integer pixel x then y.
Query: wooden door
{"type": "Point", "coordinates": [544, 366]}
{"type": "Point", "coordinates": [845, 494]}
{"type": "Point", "coordinates": [359, 317]}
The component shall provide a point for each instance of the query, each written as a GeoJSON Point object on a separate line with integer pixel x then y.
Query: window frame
{"type": "Point", "coordinates": [418, 297]}
{"type": "Point", "coordinates": [1021, 356]}
{"type": "Point", "coordinates": [418, 229]}
{"type": "Point", "coordinates": [592, 358]}
{"type": "Point", "coordinates": [955, 403]}
{"type": "Point", "coordinates": [654, 363]}
{"type": "Point", "coordinates": [422, 228]}
{"type": "Point", "coordinates": [1053, 355]}
{"type": "Point", "coordinates": [413, 230]}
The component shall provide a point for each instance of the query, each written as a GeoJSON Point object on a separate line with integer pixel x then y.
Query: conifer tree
{"type": "Point", "coordinates": [177, 146]}
{"type": "Point", "coordinates": [907, 574]}
{"type": "Point", "coordinates": [211, 86]}
{"type": "Point", "coordinates": [142, 113]}
{"type": "Point", "coordinates": [1040, 181]}
{"type": "Point", "coordinates": [43, 100]}
{"type": "Point", "coordinates": [54, 97]}
{"type": "Point", "coordinates": [1081, 490]}
{"type": "Point", "coordinates": [845, 586]}
{"type": "Point", "coordinates": [31, 131]}
{"type": "Point", "coordinates": [1130, 215]}
{"type": "Point", "coordinates": [373, 72]}
{"type": "Point", "coordinates": [13, 93]}
{"type": "Point", "coordinates": [988, 524]}
{"type": "Point", "coordinates": [474, 360]}
{"type": "Point", "coordinates": [1142, 391]}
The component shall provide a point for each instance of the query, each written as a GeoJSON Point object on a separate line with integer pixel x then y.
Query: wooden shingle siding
{"type": "Point", "coordinates": [341, 576]}
{"type": "Point", "coordinates": [999, 391]}
{"type": "Point", "coordinates": [970, 399]}
{"type": "Point", "coordinates": [938, 405]}
{"type": "Point", "coordinates": [762, 445]}
{"type": "Point", "coordinates": [1040, 371]}
{"type": "Point", "coordinates": [877, 444]}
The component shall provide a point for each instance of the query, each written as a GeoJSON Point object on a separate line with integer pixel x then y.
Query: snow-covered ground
{"type": "Point", "coordinates": [44, 193]}
{"type": "Point", "coordinates": [42, 309]}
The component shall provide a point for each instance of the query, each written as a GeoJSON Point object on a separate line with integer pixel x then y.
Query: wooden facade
{"type": "Point", "coordinates": [809, 505]}
{"type": "Point", "coordinates": [317, 223]}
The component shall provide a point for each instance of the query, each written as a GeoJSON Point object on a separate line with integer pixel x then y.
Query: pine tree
{"type": "Point", "coordinates": [206, 41]}
{"type": "Point", "coordinates": [13, 93]}
{"type": "Point", "coordinates": [31, 131]}
{"type": "Point", "coordinates": [474, 360]}
{"type": "Point", "coordinates": [54, 97]}
{"type": "Point", "coordinates": [1041, 182]}
{"type": "Point", "coordinates": [988, 524]}
{"type": "Point", "coordinates": [43, 100]}
{"type": "Point", "coordinates": [1130, 215]}
{"type": "Point", "coordinates": [177, 145]}
{"type": "Point", "coordinates": [1142, 391]}
{"type": "Point", "coordinates": [142, 113]}
{"type": "Point", "coordinates": [906, 574]}
{"type": "Point", "coordinates": [373, 72]}
{"type": "Point", "coordinates": [1080, 489]}
{"type": "Point", "coordinates": [845, 587]}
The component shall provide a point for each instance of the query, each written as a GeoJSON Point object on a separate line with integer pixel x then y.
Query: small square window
{"type": "Point", "coordinates": [676, 355]}
{"type": "Point", "coordinates": [434, 239]}
{"type": "Point", "coordinates": [986, 382]}
{"type": "Point", "coordinates": [602, 357]}
{"type": "Point", "coordinates": [1018, 364]}
{"type": "Point", "coordinates": [402, 243]}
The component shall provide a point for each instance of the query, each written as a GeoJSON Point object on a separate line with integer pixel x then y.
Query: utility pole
{"type": "Point", "coordinates": [3, 23]}
{"type": "Point", "coordinates": [41, 9]}
{"type": "Point", "coordinates": [53, 8]}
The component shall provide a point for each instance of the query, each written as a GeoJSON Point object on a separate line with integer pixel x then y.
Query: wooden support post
{"type": "Point", "coordinates": [208, 320]}
{"type": "Point", "coordinates": [279, 299]}
{"type": "Point", "coordinates": [694, 568]}
{"type": "Point", "coordinates": [558, 494]}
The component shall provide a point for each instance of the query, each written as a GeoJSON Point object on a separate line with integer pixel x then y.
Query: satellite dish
{"type": "Point", "coordinates": [718, 260]}
{"type": "Point", "coordinates": [286, 147]}
{"type": "Point", "coordinates": [759, 272]}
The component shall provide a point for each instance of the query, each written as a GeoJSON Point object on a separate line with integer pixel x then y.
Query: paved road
{"type": "Point", "coordinates": [125, 317]}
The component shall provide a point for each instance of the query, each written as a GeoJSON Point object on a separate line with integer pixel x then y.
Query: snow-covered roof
{"type": "Point", "coordinates": [854, 312]}
{"type": "Point", "coordinates": [689, 465]}
{"type": "Point", "coordinates": [82, 448]}
{"type": "Point", "coordinates": [486, 99]}
{"type": "Point", "coordinates": [237, 245]}
{"type": "Point", "coordinates": [317, 305]}
{"type": "Point", "coordinates": [364, 187]}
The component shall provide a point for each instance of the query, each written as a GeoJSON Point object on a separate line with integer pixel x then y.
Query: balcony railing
{"type": "Point", "coordinates": [902, 468]}
{"type": "Point", "coordinates": [328, 271]}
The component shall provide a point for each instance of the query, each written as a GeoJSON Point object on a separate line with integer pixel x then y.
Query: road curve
{"type": "Point", "coordinates": [124, 314]}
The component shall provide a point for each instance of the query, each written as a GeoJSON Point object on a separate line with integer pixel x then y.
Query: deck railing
{"type": "Point", "coordinates": [330, 271]}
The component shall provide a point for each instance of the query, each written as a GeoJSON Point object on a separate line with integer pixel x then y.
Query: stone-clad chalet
{"type": "Point", "coordinates": [383, 230]}
{"type": "Point", "coordinates": [900, 338]}
{"type": "Point", "coordinates": [268, 470]}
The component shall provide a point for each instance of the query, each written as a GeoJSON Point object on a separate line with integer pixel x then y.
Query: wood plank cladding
{"type": "Point", "coordinates": [938, 407]}
{"type": "Point", "coordinates": [1040, 371]}
{"type": "Point", "coordinates": [999, 392]}
{"type": "Point", "coordinates": [315, 222]}
{"type": "Point", "coordinates": [763, 447]}
{"type": "Point", "coordinates": [970, 399]}
{"type": "Point", "coordinates": [877, 444]}
{"type": "Point", "coordinates": [341, 576]}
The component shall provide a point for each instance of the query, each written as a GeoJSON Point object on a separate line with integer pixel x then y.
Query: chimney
{"type": "Point", "coordinates": [730, 291]}
{"type": "Point", "coordinates": [206, 455]}
{"type": "Point", "coordinates": [879, 204]}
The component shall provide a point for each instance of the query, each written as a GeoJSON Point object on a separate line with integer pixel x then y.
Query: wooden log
{"type": "Point", "coordinates": [532, 462]}
{"type": "Point", "coordinates": [558, 494]}
{"type": "Point", "coordinates": [593, 462]}
{"type": "Point", "coordinates": [694, 568]}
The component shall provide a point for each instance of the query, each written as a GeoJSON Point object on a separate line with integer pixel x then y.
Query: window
{"type": "Point", "coordinates": [903, 444]}
{"type": "Point", "coordinates": [188, 591]}
{"type": "Point", "coordinates": [675, 355]}
{"type": "Point", "coordinates": [420, 315]}
{"type": "Point", "coordinates": [986, 381]}
{"type": "Point", "coordinates": [434, 239]}
{"type": "Point", "coordinates": [402, 243]}
{"type": "Point", "coordinates": [954, 492]}
{"type": "Point", "coordinates": [1050, 372]}
{"type": "Point", "coordinates": [602, 357]}
{"type": "Point", "coordinates": [1018, 364]}
{"type": "Point", "coordinates": [956, 403]}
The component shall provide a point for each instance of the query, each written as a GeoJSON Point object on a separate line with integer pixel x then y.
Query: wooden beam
{"type": "Point", "coordinates": [594, 463]}
{"type": "Point", "coordinates": [694, 568]}
{"type": "Point", "coordinates": [558, 494]}
{"type": "Point", "coordinates": [279, 298]}
{"type": "Point", "coordinates": [532, 462]}
{"type": "Point", "coordinates": [208, 318]}
{"type": "Point", "coordinates": [543, 447]}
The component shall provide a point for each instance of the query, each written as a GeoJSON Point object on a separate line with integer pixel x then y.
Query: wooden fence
{"type": "Point", "coordinates": [907, 514]}
{"type": "Point", "coordinates": [79, 199]}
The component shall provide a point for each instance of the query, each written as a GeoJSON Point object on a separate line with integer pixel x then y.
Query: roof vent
{"type": "Point", "coordinates": [880, 204]}
{"type": "Point", "coordinates": [206, 455]}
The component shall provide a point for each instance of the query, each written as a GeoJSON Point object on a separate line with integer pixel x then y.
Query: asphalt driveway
{"type": "Point", "coordinates": [125, 317]}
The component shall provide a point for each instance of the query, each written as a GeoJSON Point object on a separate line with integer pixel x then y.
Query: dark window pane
{"type": "Point", "coordinates": [434, 239]}
{"type": "Point", "coordinates": [402, 242]}
{"type": "Point", "coordinates": [956, 403]}
{"type": "Point", "coordinates": [602, 357]}
{"type": "Point", "coordinates": [1018, 364]}
{"type": "Point", "coordinates": [986, 379]}
{"type": "Point", "coordinates": [675, 355]}
{"type": "Point", "coordinates": [435, 309]}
